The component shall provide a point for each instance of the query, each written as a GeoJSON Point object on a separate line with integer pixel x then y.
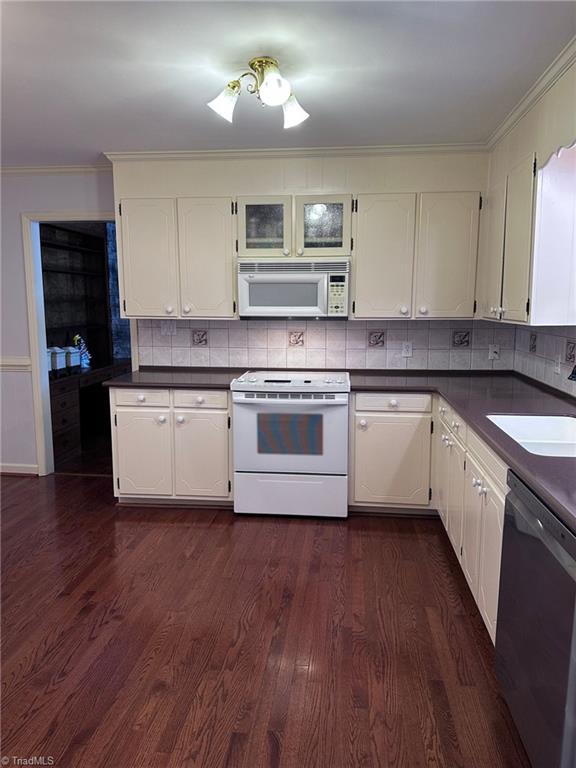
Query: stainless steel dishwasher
{"type": "Point", "coordinates": [536, 630]}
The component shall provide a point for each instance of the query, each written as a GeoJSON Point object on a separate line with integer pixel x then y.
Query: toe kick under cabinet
{"type": "Point", "coordinates": [171, 444]}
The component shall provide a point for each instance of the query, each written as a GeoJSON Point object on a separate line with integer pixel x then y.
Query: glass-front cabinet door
{"type": "Point", "coordinates": [265, 226]}
{"type": "Point", "coordinates": [323, 225]}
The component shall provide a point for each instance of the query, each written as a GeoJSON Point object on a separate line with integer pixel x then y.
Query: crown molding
{"type": "Point", "coordinates": [559, 66]}
{"type": "Point", "coordinates": [296, 152]}
{"type": "Point", "coordinates": [23, 169]}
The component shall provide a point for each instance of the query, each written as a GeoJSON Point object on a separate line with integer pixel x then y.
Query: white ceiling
{"type": "Point", "coordinates": [80, 78]}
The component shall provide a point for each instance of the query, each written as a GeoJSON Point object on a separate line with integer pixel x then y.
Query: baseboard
{"type": "Point", "coordinates": [19, 469]}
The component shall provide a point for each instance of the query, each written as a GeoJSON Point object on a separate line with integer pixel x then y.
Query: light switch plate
{"type": "Point", "coordinates": [406, 349]}
{"type": "Point", "coordinates": [494, 352]}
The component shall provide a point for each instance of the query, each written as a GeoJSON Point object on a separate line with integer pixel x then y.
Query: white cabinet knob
{"type": "Point", "coordinates": [423, 310]}
{"type": "Point", "coordinates": [483, 490]}
{"type": "Point", "coordinates": [393, 403]}
{"type": "Point", "coordinates": [363, 423]}
{"type": "Point", "coordinates": [162, 419]}
{"type": "Point", "coordinates": [186, 309]}
{"type": "Point", "coordinates": [476, 482]}
{"type": "Point", "coordinates": [180, 419]}
{"type": "Point", "coordinates": [300, 251]}
{"type": "Point", "coordinates": [501, 310]}
{"type": "Point", "coordinates": [199, 400]}
{"type": "Point", "coordinates": [286, 252]}
{"type": "Point", "coordinates": [455, 425]}
{"type": "Point", "coordinates": [169, 310]}
{"type": "Point", "coordinates": [404, 310]}
{"type": "Point", "coordinates": [141, 398]}
{"type": "Point", "coordinates": [442, 409]}
{"type": "Point", "coordinates": [444, 438]}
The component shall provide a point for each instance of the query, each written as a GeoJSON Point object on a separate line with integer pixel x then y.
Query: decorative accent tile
{"type": "Point", "coordinates": [296, 338]}
{"type": "Point", "coordinates": [199, 338]}
{"type": "Point", "coordinates": [460, 339]}
{"type": "Point", "coordinates": [377, 338]}
{"type": "Point", "coordinates": [570, 353]}
{"type": "Point", "coordinates": [533, 343]}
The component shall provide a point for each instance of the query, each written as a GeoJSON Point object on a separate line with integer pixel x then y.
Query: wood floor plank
{"type": "Point", "coordinates": [155, 637]}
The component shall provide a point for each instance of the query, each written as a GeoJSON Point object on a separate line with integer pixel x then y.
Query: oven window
{"type": "Point", "coordinates": [281, 294]}
{"type": "Point", "coordinates": [290, 433]}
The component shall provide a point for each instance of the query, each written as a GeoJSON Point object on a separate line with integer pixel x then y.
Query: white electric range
{"type": "Point", "coordinates": [291, 443]}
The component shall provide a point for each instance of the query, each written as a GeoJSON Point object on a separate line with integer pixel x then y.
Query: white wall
{"type": "Point", "coordinates": [59, 193]}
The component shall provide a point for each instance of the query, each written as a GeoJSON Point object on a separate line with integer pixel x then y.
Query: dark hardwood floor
{"type": "Point", "coordinates": [177, 637]}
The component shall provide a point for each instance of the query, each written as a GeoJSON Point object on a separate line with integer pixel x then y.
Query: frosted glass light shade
{"type": "Point", "coordinates": [294, 114]}
{"type": "Point", "coordinates": [275, 90]}
{"type": "Point", "coordinates": [225, 102]}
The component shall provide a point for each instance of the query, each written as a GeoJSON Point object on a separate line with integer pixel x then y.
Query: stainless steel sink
{"type": "Point", "coordinates": [544, 435]}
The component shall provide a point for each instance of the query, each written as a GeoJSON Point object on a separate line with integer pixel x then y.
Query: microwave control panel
{"type": "Point", "coordinates": [338, 295]}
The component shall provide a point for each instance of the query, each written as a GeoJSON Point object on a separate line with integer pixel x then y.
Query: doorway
{"type": "Point", "coordinates": [87, 341]}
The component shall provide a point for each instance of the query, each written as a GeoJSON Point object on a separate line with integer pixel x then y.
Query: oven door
{"type": "Point", "coordinates": [283, 295]}
{"type": "Point", "coordinates": [288, 434]}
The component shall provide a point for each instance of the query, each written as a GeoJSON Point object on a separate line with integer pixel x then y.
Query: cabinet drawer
{"type": "Point", "coordinates": [65, 419]}
{"type": "Point", "coordinates": [196, 398]}
{"type": "Point", "coordinates": [67, 443]}
{"type": "Point", "coordinates": [493, 463]}
{"type": "Point", "coordinates": [143, 397]}
{"type": "Point", "coordinates": [390, 401]}
{"type": "Point", "coordinates": [64, 402]}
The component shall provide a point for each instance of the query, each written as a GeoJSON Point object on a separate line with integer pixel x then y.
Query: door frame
{"type": "Point", "coordinates": [37, 324]}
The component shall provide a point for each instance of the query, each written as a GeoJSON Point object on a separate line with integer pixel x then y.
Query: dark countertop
{"type": "Point", "coordinates": [472, 395]}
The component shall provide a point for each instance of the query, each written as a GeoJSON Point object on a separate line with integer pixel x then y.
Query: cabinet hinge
{"type": "Point", "coordinates": [124, 304]}
{"type": "Point", "coordinates": [353, 307]}
{"type": "Point", "coordinates": [481, 203]}
{"type": "Point", "coordinates": [234, 307]}
{"type": "Point", "coordinates": [229, 485]}
{"type": "Point", "coordinates": [464, 464]}
{"type": "Point", "coordinates": [236, 246]}
{"type": "Point", "coordinates": [229, 422]}
{"type": "Point", "coordinates": [461, 551]}
{"type": "Point", "coordinates": [528, 306]}
{"type": "Point", "coordinates": [429, 494]}
{"type": "Point", "coordinates": [232, 207]}
{"type": "Point", "coordinates": [235, 207]}
{"type": "Point", "coordinates": [475, 306]}
{"type": "Point", "coordinates": [118, 483]}
{"type": "Point", "coordinates": [119, 209]}
{"type": "Point", "coordinates": [534, 166]}
{"type": "Point", "coordinates": [354, 205]}
{"type": "Point", "coordinates": [115, 420]}
{"type": "Point", "coordinates": [432, 427]}
{"type": "Point", "coordinates": [351, 243]}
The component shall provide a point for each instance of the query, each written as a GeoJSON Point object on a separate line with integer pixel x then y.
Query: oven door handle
{"type": "Point", "coordinates": [291, 403]}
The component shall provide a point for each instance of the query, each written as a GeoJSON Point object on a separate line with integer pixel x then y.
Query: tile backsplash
{"type": "Point", "coordinates": [395, 344]}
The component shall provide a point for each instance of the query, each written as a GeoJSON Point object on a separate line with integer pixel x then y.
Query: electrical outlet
{"type": "Point", "coordinates": [406, 349]}
{"type": "Point", "coordinates": [558, 363]}
{"type": "Point", "coordinates": [494, 352]}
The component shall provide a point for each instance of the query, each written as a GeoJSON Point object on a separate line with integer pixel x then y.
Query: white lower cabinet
{"type": "Point", "coordinates": [173, 451]}
{"type": "Point", "coordinates": [144, 451]}
{"type": "Point", "coordinates": [201, 466]}
{"type": "Point", "coordinates": [469, 495]}
{"type": "Point", "coordinates": [391, 452]}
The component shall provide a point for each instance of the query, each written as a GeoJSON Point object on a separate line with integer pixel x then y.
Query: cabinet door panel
{"type": "Point", "coordinates": [265, 226]}
{"type": "Point", "coordinates": [518, 240]}
{"type": "Point", "coordinates": [149, 257]}
{"type": "Point", "coordinates": [323, 225]}
{"type": "Point", "coordinates": [384, 255]}
{"type": "Point", "coordinates": [491, 252]}
{"type": "Point", "coordinates": [206, 256]}
{"type": "Point", "coordinates": [471, 524]}
{"type": "Point", "coordinates": [392, 458]}
{"type": "Point", "coordinates": [490, 556]}
{"type": "Point", "coordinates": [455, 502]}
{"type": "Point", "coordinates": [144, 451]}
{"type": "Point", "coordinates": [201, 453]}
{"type": "Point", "coordinates": [440, 479]}
{"type": "Point", "coordinates": [446, 254]}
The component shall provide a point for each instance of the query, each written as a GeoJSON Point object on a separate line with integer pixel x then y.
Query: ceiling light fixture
{"type": "Point", "coordinates": [269, 86]}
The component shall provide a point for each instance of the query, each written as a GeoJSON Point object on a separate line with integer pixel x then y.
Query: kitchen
{"type": "Point", "coordinates": [348, 433]}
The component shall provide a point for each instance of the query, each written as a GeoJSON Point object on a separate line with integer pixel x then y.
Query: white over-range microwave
{"type": "Point", "coordinates": [293, 288]}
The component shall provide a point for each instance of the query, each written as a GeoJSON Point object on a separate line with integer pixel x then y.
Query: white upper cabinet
{"type": "Point", "coordinates": [491, 252]}
{"type": "Point", "coordinates": [384, 255]}
{"type": "Point", "coordinates": [518, 241]}
{"type": "Point", "coordinates": [206, 249]}
{"type": "Point", "coordinates": [149, 257]}
{"type": "Point", "coordinates": [446, 254]}
{"type": "Point", "coordinates": [265, 226]}
{"type": "Point", "coordinates": [323, 225]}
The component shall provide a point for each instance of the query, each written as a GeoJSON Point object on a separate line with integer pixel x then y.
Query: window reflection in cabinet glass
{"type": "Point", "coordinates": [323, 225]}
{"type": "Point", "coordinates": [265, 225]}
